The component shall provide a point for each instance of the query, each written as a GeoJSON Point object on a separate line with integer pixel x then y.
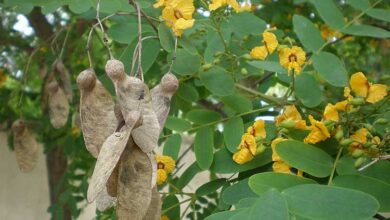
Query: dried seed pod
{"type": "Point", "coordinates": [153, 162]}
{"type": "Point", "coordinates": [96, 111]}
{"type": "Point", "coordinates": [109, 156]}
{"type": "Point", "coordinates": [132, 95]}
{"type": "Point", "coordinates": [104, 201]}
{"type": "Point", "coordinates": [64, 76]}
{"type": "Point", "coordinates": [161, 97]}
{"type": "Point", "coordinates": [112, 182]}
{"type": "Point", "coordinates": [154, 210]}
{"type": "Point", "coordinates": [58, 105]}
{"type": "Point", "coordinates": [134, 191]}
{"type": "Point", "coordinates": [26, 147]}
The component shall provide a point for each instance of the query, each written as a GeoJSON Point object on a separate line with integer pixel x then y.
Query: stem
{"type": "Point", "coordinates": [335, 165]}
{"type": "Point", "coordinates": [267, 98]}
{"type": "Point", "coordinates": [175, 205]}
{"type": "Point", "coordinates": [105, 38]}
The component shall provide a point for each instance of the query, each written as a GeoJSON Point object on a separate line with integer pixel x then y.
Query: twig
{"type": "Point", "coordinates": [105, 38]}
{"type": "Point", "coordinates": [335, 165]}
{"type": "Point", "coordinates": [374, 160]}
{"type": "Point", "coordinates": [173, 56]}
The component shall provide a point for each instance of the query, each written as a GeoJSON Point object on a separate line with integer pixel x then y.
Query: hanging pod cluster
{"type": "Point", "coordinates": [122, 137]}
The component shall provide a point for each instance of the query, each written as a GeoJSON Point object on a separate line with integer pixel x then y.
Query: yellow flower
{"type": "Point", "coordinates": [328, 33]}
{"type": "Point", "coordinates": [376, 140]}
{"type": "Point", "coordinates": [281, 167]}
{"type": "Point", "coordinates": [331, 113]}
{"type": "Point", "coordinates": [161, 176]}
{"type": "Point", "coordinates": [215, 4]}
{"type": "Point", "coordinates": [165, 163]}
{"type": "Point", "coordinates": [360, 136]}
{"type": "Point", "coordinates": [341, 106]}
{"type": "Point", "coordinates": [318, 132]}
{"type": "Point", "coordinates": [249, 142]}
{"type": "Point", "coordinates": [246, 7]}
{"type": "Point", "coordinates": [292, 59]}
{"type": "Point", "coordinates": [242, 156]}
{"type": "Point", "coordinates": [270, 44]}
{"type": "Point", "coordinates": [257, 129]}
{"type": "Point", "coordinates": [164, 217]}
{"type": "Point", "coordinates": [270, 41]}
{"type": "Point", "coordinates": [259, 53]}
{"type": "Point", "coordinates": [291, 113]}
{"type": "Point", "coordinates": [275, 156]}
{"type": "Point", "coordinates": [362, 87]}
{"type": "Point", "coordinates": [178, 15]}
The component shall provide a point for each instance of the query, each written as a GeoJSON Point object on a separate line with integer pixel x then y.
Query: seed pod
{"type": "Point", "coordinates": [154, 210]}
{"type": "Point", "coordinates": [97, 115]}
{"type": "Point", "coordinates": [134, 191]}
{"type": "Point", "coordinates": [153, 162]}
{"type": "Point", "coordinates": [64, 75]}
{"type": "Point", "coordinates": [109, 156]}
{"type": "Point", "coordinates": [58, 105]}
{"type": "Point", "coordinates": [161, 97]}
{"type": "Point", "coordinates": [104, 201]}
{"type": "Point", "coordinates": [112, 182]}
{"type": "Point", "coordinates": [132, 95]}
{"type": "Point", "coordinates": [26, 147]}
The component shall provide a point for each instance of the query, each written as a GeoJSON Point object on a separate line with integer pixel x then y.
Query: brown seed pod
{"type": "Point", "coordinates": [153, 162]}
{"type": "Point", "coordinates": [26, 147]}
{"type": "Point", "coordinates": [134, 191]}
{"type": "Point", "coordinates": [154, 210]}
{"type": "Point", "coordinates": [112, 182]}
{"type": "Point", "coordinates": [58, 105]}
{"type": "Point", "coordinates": [132, 95]}
{"type": "Point", "coordinates": [161, 97]}
{"type": "Point", "coordinates": [109, 156]}
{"type": "Point", "coordinates": [104, 201]}
{"type": "Point", "coordinates": [97, 115]}
{"type": "Point", "coordinates": [64, 76]}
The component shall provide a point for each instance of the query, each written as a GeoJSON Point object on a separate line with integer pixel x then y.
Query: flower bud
{"type": "Point", "coordinates": [346, 142]}
{"type": "Point", "coordinates": [247, 56]}
{"type": "Point", "coordinates": [216, 61]}
{"type": "Point", "coordinates": [207, 66]}
{"type": "Point", "coordinates": [287, 124]}
{"type": "Point", "coordinates": [339, 135]}
{"type": "Point", "coordinates": [357, 153]}
{"type": "Point", "coordinates": [367, 144]}
{"type": "Point", "coordinates": [217, 54]}
{"type": "Point", "coordinates": [260, 149]}
{"type": "Point", "coordinates": [381, 121]}
{"type": "Point", "coordinates": [360, 161]}
{"type": "Point", "coordinates": [369, 127]}
{"type": "Point", "coordinates": [357, 101]}
{"type": "Point", "coordinates": [244, 71]}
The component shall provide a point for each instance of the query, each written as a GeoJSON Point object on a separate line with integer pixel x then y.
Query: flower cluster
{"type": "Point", "coordinates": [290, 58]}
{"type": "Point", "coordinates": [165, 166]}
{"type": "Point", "coordinates": [215, 4]}
{"type": "Point", "coordinates": [251, 143]}
{"type": "Point", "coordinates": [177, 14]}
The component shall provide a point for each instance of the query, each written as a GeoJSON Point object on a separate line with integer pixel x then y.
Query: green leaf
{"type": "Point", "coordinates": [329, 203]}
{"type": "Point", "coordinates": [236, 192]}
{"type": "Point", "coordinates": [171, 202]}
{"type": "Point", "coordinates": [305, 83]}
{"type": "Point", "coordinates": [307, 33]}
{"type": "Point", "coordinates": [271, 205]}
{"type": "Point", "coordinates": [80, 6]}
{"type": "Point", "coordinates": [305, 157]}
{"type": "Point", "coordinates": [359, 4]}
{"type": "Point", "coordinates": [223, 162]}
{"type": "Point", "coordinates": [246, 23]}
{"type": "Point", "coordinates": [202, 116]}
{"type": "Point", "coordinates": [204, 147]}
{"type": "Point", "coordinates": [330, 13]}
{"type": "Point", "coordinates": [367, 31]}
{"type": "Point", "coordinates": [177, 124]}
{"type": "Point", "coordinates": [188, 92]}
{"type": "Point", "coordinates": [186, 63]}
{"type": "Point", "coordinates": [262, 182]}
{"type": "Point", "coordinates": [108, 6]}
{"type": "Point", "coordinates": [330, 68]}
{"type": "Point", "coordinates": [218, 81]}
{"type": "Point", "coordinates": [237, 102]}
{"type": "Point", "coordinates": [166, 37]}
{"type": "Point", "coordinates": [379, 13]}
{"type": "Point", "coordinates": [210, 187]}
{"type": "Point", "coordinates": [380, 190]}
{"type": "Point", "coordinates": [232, 132]}
{"type": "Point", "coordinates": [126, 33]}
{"type": "Point", "coordinates": [172, 146]}
{"type": "Point", "coordinates": [379, 170]}
{"type": "Point", "coordinates": [271, 66]}
{"type": "Point", "coordinates": [187, 176]}
{"type": "Point", "coordinates": [187, 45]}
{"type": "Point", "coordinates": [222, 215]}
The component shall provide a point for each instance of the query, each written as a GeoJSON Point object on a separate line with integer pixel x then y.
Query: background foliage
{"type": "Point", "coordinates": [221, 93]}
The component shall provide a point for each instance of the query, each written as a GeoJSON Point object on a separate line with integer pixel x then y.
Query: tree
{"type": "Point", "coordinates": [316, 69]}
